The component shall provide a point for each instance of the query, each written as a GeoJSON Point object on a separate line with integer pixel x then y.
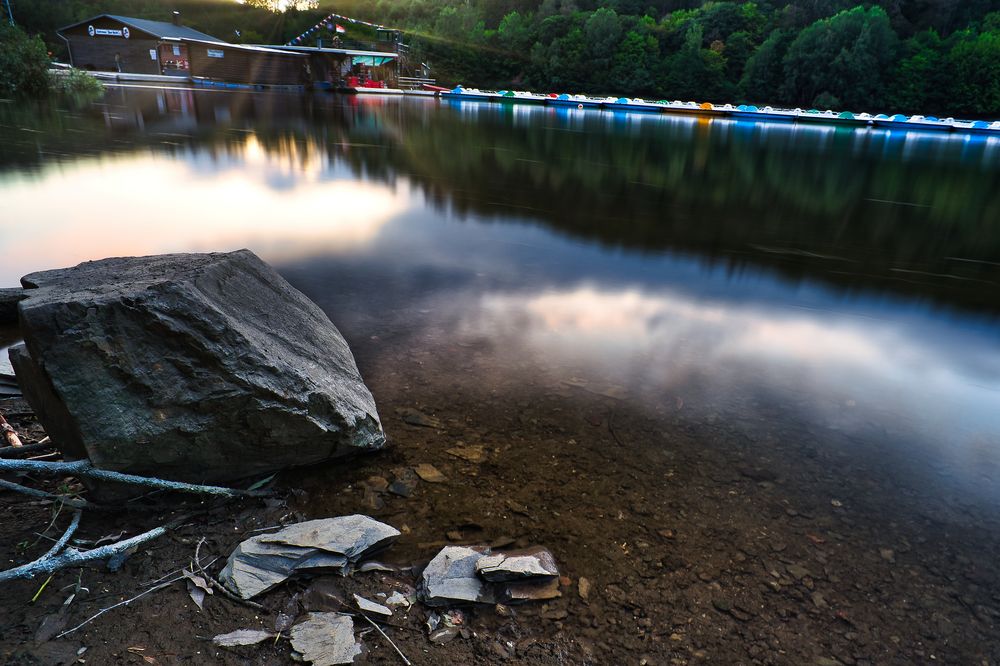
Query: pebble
{"type": "Point", "coordinates": [429, 473]}
{"type": "Point", "coordinates": [583, 588]}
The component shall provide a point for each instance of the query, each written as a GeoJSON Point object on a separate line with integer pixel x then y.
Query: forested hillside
{"type": "Point", "coordinates": [921, 56]}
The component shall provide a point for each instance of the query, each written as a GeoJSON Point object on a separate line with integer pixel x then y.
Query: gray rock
{"type": "Point", "coordinates": [517, 565]}
{"type": "Point", "coordinates": [198, 367]}
{"type": "Point", "coordinates": [325, 639]}
{"type": "Point", "coordinates": [451, 576]}
{"type": "Point", "coordinates": [531, 590]}
{"type": "Point", "coordinates": [369, 606]}
{"type": "Point", "coordinates": [267, 560]}
{"type": "Point", "coordinates": [9, 298]}
{"type": "Point", "coordinates": [242, 637]}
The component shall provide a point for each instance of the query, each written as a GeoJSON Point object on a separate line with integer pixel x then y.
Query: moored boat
{"type": "Point", "coordinates": [627, 104]}
{"type": "Point", "coordinates": [579, 101]}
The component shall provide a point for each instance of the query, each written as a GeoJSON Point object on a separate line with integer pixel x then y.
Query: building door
{"type": "Point", "coordinates": [174, 59]}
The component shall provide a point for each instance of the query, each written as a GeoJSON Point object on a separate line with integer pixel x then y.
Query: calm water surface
{"type": "Point", "coordinates": [830, 286]}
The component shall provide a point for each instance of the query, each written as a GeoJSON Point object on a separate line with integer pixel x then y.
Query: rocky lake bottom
{"type": "Point", "coordinates": [683, 535]}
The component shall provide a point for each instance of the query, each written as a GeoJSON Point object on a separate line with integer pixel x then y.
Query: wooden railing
{"type": "Point", "coordinates": [413, 82]}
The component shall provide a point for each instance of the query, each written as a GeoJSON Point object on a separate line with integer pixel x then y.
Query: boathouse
{"type": "Point", "coordinates": [127, 45]}
{"type": "Point", "coordinates": [350, 68]}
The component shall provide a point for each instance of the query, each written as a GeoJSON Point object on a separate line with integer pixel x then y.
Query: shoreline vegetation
{"type": "Point", "coordinates": [25, 70]}
{"type": "Point", "coordinates": [931, 57]}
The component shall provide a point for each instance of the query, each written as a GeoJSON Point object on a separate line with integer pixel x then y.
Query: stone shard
{"type": "Point", "coordinates": [197, 367]}
{"type": "Point", "coordinates": [242, 637]}
{"type": "Point", "coordinates": [517, 565]}
{"type": "Point", "coordinates": [369, 606]}
{"type": "Point", "coordinates": [351, 536]}
{"type": "Point", "coordinates": [531, 590]}
{"type": "Point", "coordinates": [451, 577]}
{"type": "Point", "coordinates": [325, 639]}
{"type": "Point", "coordinates": [331, 544]}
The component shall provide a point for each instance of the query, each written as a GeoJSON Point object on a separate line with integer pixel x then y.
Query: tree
{"type": "Point", "coordinates": [846, 56]}
{"type": "Point", "coordinates": [917, 80]}
{"type": "Point", "coordinates": [696, 73]}
{"type": "Point", "coordinates": [634, 64]}
{"type": "Point", "coordinates": [764, 71]}
{"type": "Point", "coordinates": [974, 63]}
{"type": "Point", "coordinates": [24, 63]}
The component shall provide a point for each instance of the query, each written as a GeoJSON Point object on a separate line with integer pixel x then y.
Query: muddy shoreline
{"type": "Point", "coordinates": [736, 536]}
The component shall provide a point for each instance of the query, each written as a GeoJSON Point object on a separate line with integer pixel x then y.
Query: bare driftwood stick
{"type": "Point", "coordinates": [34, 492]}
{"type": "Point", "coordinates": [72, 557]}
{"type": "Point", "coordinates": [21, 451]}
{"type": "Point", "coordinates": [86, 468]}
{"type": "Point", "coordinates": [64, 539]}
{"type": "Point", "coordinates": [8, 433]}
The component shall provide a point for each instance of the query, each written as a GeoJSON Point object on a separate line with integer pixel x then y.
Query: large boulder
{"type": "Point", "coordinates": [9, 298]}
{"type": "Point", "coordinates": [198, 367]}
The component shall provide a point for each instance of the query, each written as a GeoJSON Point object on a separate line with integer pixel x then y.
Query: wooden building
{"type": "Point", "coordinates": [123, 44]}
{"type": "Point", "coordinates": [349, 68]}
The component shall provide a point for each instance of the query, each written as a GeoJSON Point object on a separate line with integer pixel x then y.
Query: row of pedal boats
{"type": "Point", "coordinates": [740, 111]}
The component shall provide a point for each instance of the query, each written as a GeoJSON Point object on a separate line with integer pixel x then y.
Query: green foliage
{"type": "Point", "coordinates": [910, 56]}
{"type": "Point", "coordinates": [77, 83]}
{"type": "Point", "coordinates": [842, 58]}
{"type": "Point", "coordinates": [975, 66]}
{"type": "Point", "coordinates": [24, 63]}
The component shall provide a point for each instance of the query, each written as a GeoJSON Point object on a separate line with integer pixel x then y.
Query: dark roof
{"type": "Point", "coordinates": [162, 29]}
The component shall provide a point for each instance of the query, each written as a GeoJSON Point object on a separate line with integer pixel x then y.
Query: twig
{"type": "Point", "coordinates": [222, 589]}
{"type": "Point", "coordinates": [64, 539]}
{"type": "Point", "coordinates": [72, 557]}
{"type": "Point", "coordinates": [120, 603]}
{"type": "Point", "coordinates": [34, 492]}
{"type": "Point", "coordinates": [18, 451]}
{"type": "Point", "coordinates": [86, 468]}
{"type": "Point", "coordinates": [9, 433]}
{"type": "Point", "coordinates": [386, 637]}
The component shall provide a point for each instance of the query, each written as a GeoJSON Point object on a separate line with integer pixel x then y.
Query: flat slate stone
{"type": "Point", "coordinates": [196, 367]}
{"type": "Point", "coordinates": [351, 536]}
{"type": "Point", "coordinates": [325, 639]}
{"type": "Point", "coordinates": [331, 544]}
{"type": "Point", "coordinates": [451, 577]}
{"type": "Point", "coordinates": [531, 590]}
{"type": "Point", "coordinates": [369, 606]}
{"type": "Point", "coordinates": [517, 565]}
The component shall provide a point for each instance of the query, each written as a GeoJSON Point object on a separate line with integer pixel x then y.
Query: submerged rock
{"type": "Point", "coordinates": [531, 590]}
{"type": "Point", "coordinates": [198, 367]}
{"type": "Point", "coordinates": [451, 576]}
{"type": "Point", "coordinates": [325, 639]}
{"type": "Point", "coordinates": [518, 565]}
{"type": "Point", "coordinates": [331, 544]}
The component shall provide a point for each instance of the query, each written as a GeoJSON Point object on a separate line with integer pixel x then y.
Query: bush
{"type": "Point", "coordinates": [24, 63]}
{"type": "Point", "coordinates": [76, 83]}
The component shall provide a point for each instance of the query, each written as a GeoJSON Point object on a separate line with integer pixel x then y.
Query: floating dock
{"type": "Point", "coordinates": [743, 111]}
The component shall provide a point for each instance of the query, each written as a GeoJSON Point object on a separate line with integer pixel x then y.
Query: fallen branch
{"type": "Point", "coordinates": [222, 589]}
{"type": "Point", "coordinates": [19, 451]}
{"type": "Point", "coordinates": [9, 433]}
{"type": "Point", "coordinates": [34, 492]}
{"type": "Point", "coordinates": [72, 557]}
{"type": "Point", "coordinates": [87, 469]}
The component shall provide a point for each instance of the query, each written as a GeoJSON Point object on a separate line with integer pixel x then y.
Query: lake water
{"type": "Point", "coordinates": [777, 345]}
